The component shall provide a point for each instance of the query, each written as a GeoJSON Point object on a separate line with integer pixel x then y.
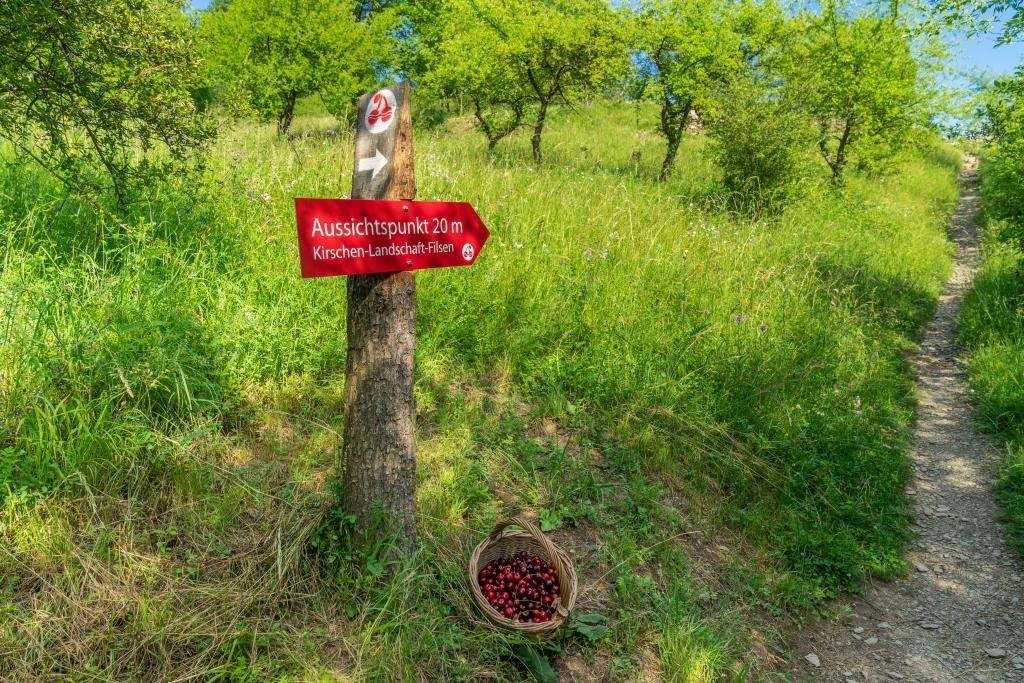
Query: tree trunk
{"type": "Point", "coordinates": [674, 117]}
{"type": "Point", "coordinates": [380, 411]}
{"type": "Point", "coordinates": [495, 131]}
{"type": "Point", "coordinates": [670, 158]}
{"type": "Point", "coordinates": [379, 452]}
{"type": "Point", "coordinates": [538, 129]}
{"type": "Point", "coordinates": [284, 119]}
{"type": "Point", "coordinates": [838, 164]}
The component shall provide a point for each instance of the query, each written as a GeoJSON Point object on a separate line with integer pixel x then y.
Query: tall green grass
{"type": "Point", "coordinates": [710, 411]}
{"type": "Point", "coordinates": [992, 326]}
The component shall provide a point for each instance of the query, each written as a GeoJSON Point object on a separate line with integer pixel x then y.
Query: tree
{"type": "Point", "coordinates": [508, 56]}
{"type": "Point", "coordinates": [267, 54]}
{"type": "Point", "coordinates": [107, 85]}
{"type": "Point", "coordinates": [689, 50]}
{"type": "Point", "coordinates": [856, 77]}
{"type": "Point", "coordinates": [476, 63]}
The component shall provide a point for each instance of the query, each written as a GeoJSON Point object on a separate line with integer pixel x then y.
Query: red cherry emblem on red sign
{"type": "Point", "coordinates": [381, 111]}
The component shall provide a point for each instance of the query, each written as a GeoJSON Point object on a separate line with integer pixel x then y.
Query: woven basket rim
{"type": "Point", "coordinates": [567, 580]}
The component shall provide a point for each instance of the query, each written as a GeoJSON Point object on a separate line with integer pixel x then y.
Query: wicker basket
{"type": "Point", "coordinates": [504, 543]}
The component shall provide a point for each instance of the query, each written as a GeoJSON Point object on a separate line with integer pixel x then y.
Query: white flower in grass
{"type": "Point", "coordinates": [265, 197]}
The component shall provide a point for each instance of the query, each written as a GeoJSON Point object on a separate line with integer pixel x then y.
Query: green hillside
{"type": "Point", "coordinates": [709, 411]}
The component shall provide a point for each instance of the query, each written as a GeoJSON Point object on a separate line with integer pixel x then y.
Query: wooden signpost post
{"type": "Point", "coordinates": [378, 244]}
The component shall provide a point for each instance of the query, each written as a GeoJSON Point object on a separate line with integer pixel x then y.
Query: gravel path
{"type": "Point", "coordinates": [959, 616]}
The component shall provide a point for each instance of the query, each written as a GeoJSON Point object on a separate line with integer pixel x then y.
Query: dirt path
{"type": "Point", "coordinates": [959, 616]}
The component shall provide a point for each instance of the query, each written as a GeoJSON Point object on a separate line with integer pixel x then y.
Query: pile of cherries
{"type": "Point", "coordinates": [522, 588]}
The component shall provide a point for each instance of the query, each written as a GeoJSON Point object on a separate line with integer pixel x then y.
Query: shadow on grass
{"type": "Point", "coordinates": [892, 303]}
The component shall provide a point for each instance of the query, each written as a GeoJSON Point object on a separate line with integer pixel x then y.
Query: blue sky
{"type": "Point", "coordinates": [981, 53]}
{"type": "Point", "coordinates": [974, 55]}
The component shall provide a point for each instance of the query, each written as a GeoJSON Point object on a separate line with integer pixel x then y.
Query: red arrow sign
{"type": "Point", "coordinates": [363, 236]}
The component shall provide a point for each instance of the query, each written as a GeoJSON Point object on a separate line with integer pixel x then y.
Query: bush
{"type": "Point", "coordinates": [102, 94]}
{"type": "Point", "coordinates": [1003, 191]}
{"type": "Point", "coordinates": [759, 142]}
{"type": "Point", "coordinates": [1003, 165]}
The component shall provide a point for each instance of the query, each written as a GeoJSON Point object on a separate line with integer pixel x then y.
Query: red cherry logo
{"type": "Point", "coordinates": [381, 111]}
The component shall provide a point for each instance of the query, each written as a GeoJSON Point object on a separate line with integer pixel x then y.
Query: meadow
{"type": "Point", "coordinates": [710, 410]}
{"type": "Point", "coordinates": [992, 327]}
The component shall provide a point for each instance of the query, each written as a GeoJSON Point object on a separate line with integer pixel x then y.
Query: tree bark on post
{"type": "Point", "coordinates": [379, 451]}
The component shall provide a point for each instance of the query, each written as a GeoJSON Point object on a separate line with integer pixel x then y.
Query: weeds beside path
{"type": "Point", "coordinates": [960, 614]}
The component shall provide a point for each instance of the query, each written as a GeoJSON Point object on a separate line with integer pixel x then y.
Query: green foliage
{"type": "Point", "coordinates": [693, 51]}
{"type": "Point", "coordinates": [855, 76]}
{"type": "Point", "coordinates": [1003, 113]}
{"type": "Point", "coordinates": [477, 62]}
{"type": "Point", "coordinates": [589, 625]}
{"type": "Point", "coordinates": [759, 140]}
{"type": "Point", "coordinates": [101, 93]}
{"type": "Point", "coordinates": [507, 56]}
{"type": "Point", "coordinates": [535, 663]}
{"type": "Point", "coordinates": [692, 653]}
{"type": "Point", "coordinates": [264, 55]}
{"type": "Point", "coordinates": [977, 17]}
{"type": "Point", "coordinates": [645, 366]}
{"type": "Point", "coordinates": [992, 323]}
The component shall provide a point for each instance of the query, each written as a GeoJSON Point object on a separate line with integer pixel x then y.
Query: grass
{"type": "Point", "coordinates": [710, 412]}
{"type": "Point", "coordinates": [992, 326]}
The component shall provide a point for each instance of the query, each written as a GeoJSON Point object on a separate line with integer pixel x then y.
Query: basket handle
{"type": "Point", "coordinates": [548, 546]}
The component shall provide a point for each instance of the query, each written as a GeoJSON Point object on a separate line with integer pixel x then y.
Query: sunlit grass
{"type": "Point", "coordinates": [656, 378]}
{"type": "Point", "coordinates": [992, 325]}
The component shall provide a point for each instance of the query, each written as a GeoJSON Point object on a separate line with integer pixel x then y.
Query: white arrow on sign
{"type": "Point", "coordinates": [374, 163]}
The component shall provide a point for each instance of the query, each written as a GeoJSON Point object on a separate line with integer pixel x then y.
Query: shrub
{"type": "Point", "coordinates": [759, 142]}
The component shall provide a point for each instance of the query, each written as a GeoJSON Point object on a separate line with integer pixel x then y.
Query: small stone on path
{"type": "Point", "coordinates": [871, 641]}
{"type": "Point", "coordinates": [813, 660]}
{"type": "Point", "coordinates": [995, 652]}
